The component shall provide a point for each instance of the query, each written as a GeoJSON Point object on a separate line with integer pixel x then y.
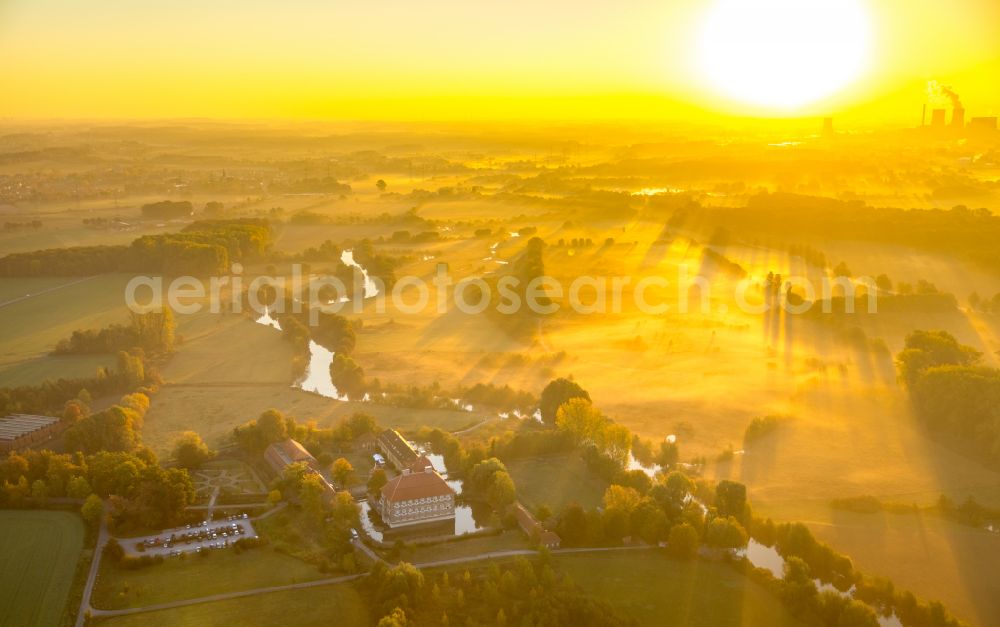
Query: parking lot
{"type": "Point", "coordinates": [209, 535]}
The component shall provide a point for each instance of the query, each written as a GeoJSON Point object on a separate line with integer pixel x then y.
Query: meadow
{"type": "Point", "coordinates": [198, 575]}
{"type": "Point", "coordinates": [700, 376]}
{"type": "Point", "coordinates": [663, 592]}
{"type": "Point", "coordinates": [508, 540]}
{"type": "Point", "coordinates": [919, 551]}
{"type": "Point", "coordinates": [40, 312]}
{"type": "Point", "coordinates": [338, 604]}
{"type": "Point", "coordinates": [556, 481]}
{"type": "Point", "coordinates": [39, 551]}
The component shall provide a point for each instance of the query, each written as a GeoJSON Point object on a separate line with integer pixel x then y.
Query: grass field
{"type": "Point", "coordinates": [338, 604]}
{"type": "Point", "coordinates": [556, 481]}
{"type": "Point", "coordinates": [662, 592]}
{"type": "Point", "coordinates": [33, 326]}
{"type": "Point", "coordinates": [38, 553]}
{"type": "Point", "coordinates": [700, 376]}
{"type": "Point", "coordinates": [923, 553]}
{"type": "Point", "coordinates": [213, 411]}
{"type": "Point", "coordinates": [195, 576]}
{"type": "Point", "coordinates": [509, 540]}
{"type": "Point", "coordinates": [230, 370]}
{"type": "Point", "coordinates": [33, 371]}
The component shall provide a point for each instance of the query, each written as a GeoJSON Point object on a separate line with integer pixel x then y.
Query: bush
{"type": "Point", "coordinates": [762, 426]}
{"type": "Point", "coordinates": [130, 562]}
{"type": "Point", "coordinates": [866, 504]}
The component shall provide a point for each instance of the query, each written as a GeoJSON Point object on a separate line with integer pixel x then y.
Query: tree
{"type": "Point", "coordinates": [162, 496]}
{"type": "Point", "coordinates": [381, 185]}
{"type": "Point", "coordinates": [798, 587]}
{"type": "Point", "coordinates": [312, 495]}
{"type": "Point", "coordinates": [39, 490]}
{"type": "Point", "coordinates": [343, 472]}
{"type": "Point", "coordinates": [683, 541]}
{"type": "Point", "coordinates": [668, 454]}
{"type": "Point", "coordinates": [502, 491]}
{"type": "Point", "coordinates": [91, 510]}
{"type": "Point", "coordinates": [615, 441]}
{"type": "Point", "coordinates": [131, 369]}
{"type": "Point", "coordinates": [731, 499]}
{"type": "Point", "coordinates": [272, 426]}
{"type": "Point", "coordinates": [557, 392]}
{"type": "Point", "coordinates": [490, 479]}
{"type": "Point", "coordinates": [347, 376]}
{"type": "Point", "coordinates": [377, 481]}
{"type": "Point", "coordinates": [398, 585]}
{"type": "Point", "coordinates": [344, 511]}
{"type": "Point", "coordinates": [927, 349]}
{"type": "Point", "coordinates": [74, 410]}
{"type": "Point", "coordinates": [621, 498]}
{"type": "Point", "coordinates": [883, 283]}
{"type": "Point", "coordinates": [114, 429]}
{"type": "Point", "coordinates": [726, 533]}
{"type": "Point", "coordinates": [78, 488]}
{"type": "Point", "coordinates": [581, 420]}
{"type": "Point", "coordinates": [396, 619]}
{"type": "Point", "coordinates": [137, 402]}
{"type": "Point", "coordinates": [573, 526]}
{"type": "Point", "coordinates": [619, 503]}
{"type": "Point", "coordinates": [190, 450]}
{"type": "Point", "coordinates": [113, 551]}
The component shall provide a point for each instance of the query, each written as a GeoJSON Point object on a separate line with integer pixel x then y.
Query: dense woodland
{"type": "Point", "coordinates": [962, 232]}
{"type": "Point", "coordinates": [953, 394]}
{"type": "Point", "coordinates": [202, 248]}
{"type": "Point", "coordinates": [523, 593]}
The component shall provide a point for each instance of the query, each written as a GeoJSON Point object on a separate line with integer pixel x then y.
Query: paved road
{"type": "Point", "coordinates": [335, 580]}
{"type": "Point", "coordinates": [475, 426]}
{"type": "Point", "coordinates": [45, 291]}
{"type": "Point", "coordinates": [516, 552]}
{"type": "Point", "coordinates": [364, 548]}
{"type": "Point", "coordinates": [95, 565]}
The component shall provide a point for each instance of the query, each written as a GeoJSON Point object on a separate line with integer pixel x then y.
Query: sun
{"type": "Point", "coordinates": [784, 54]}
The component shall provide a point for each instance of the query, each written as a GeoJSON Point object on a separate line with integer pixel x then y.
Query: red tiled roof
{"type": "Point", "coordinates": [549, 538]}
{"type": "Point", "coordinates": [415, 485]}
{"type": "Point", "coordinates": [421, 464]}
{"type": "Point", "coordinates": [290, 451]}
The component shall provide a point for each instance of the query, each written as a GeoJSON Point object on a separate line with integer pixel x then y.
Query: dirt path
{"type": "Point", "coordinates": [46, 291]}
{"type": "Point", "coordinates": [345, 578]}
{"type": "Point", "coordinates": [95, 565]}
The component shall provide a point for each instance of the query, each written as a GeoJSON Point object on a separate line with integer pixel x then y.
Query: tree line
{"type": "Point", "coordinates": [201, 248]}
{"type": "Point", "coordinates": [153, 331]}
{"type": "Point", "coordinates": [140, 493]}
{"type": "Point", "coordinates": [952, 393]}
{"type": "Point", "coordinates": [522, 593]}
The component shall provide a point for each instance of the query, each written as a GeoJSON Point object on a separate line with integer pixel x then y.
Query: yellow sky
{"type": "Point", "coordinates": [443, 59]}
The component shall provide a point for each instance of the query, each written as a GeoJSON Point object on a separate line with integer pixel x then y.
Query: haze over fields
{"type": "Point", "coordinates": [452, 314]}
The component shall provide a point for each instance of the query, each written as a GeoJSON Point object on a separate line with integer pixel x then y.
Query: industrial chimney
{"type": "Point", "coordinates": [958, 118]}
{"type": "Point", "coordinates": [938, 118]}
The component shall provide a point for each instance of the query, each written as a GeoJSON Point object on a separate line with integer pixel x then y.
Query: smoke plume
{"type": "Point", "coordinates": [937, 92]}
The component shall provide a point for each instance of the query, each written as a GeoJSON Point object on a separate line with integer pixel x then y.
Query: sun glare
{"type": "Point", "coordinates": [784, 54]}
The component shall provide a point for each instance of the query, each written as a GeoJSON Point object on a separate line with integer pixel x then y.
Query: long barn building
{"type": "Point", "coordinates": [21, 430]}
